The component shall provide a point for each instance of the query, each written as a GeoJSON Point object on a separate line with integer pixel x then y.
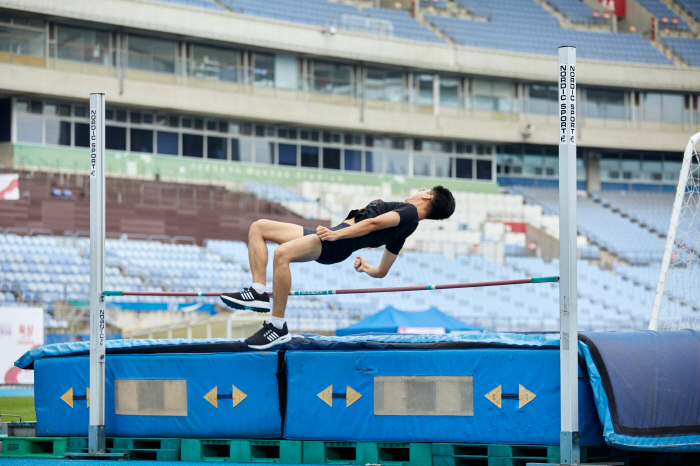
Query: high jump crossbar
{"type": "Point", "coordinates": [521, 281]}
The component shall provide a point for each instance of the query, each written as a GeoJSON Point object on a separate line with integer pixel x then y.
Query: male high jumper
{"type": "Point", "coordinates": [378, 224]}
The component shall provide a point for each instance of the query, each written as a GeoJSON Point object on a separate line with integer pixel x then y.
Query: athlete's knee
{"type": "Point", "coordinates": [256, 229]}
{"type": "Point", "coordinates": [283, 254]}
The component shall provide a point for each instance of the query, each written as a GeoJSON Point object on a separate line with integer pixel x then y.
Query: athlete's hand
{"type": "Point", "coordinates": [326, 234]}
{"type": "Point", "coordinates": [361, 264]}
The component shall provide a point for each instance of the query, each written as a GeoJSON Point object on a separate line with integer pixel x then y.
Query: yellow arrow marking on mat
{"type": "Point", "coordinates": [494, 396]}
{"type": "Point", "coordinates": [524, 396]}
{"type": "Point", "coordinates": [68, 397]}
{"type": "Point", "coordinates": [237, 395]}
{"type": "Point", "coordinates": [211, 397]}
{"type": "Point", "coordinates": [351, 396]}
{"type": "Point", "coordinates": [327, 395]}
{"type": "Point", "coordinates": [88, 397]}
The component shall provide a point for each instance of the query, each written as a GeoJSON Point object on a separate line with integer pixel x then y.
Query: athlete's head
{"type": "Point", "coordinates": [442, 205]}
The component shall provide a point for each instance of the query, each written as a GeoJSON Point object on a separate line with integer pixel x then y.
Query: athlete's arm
{"type": "Point", "coordinates": [387, 220]}
{"type": "Point", "coordinates": [361, 265]}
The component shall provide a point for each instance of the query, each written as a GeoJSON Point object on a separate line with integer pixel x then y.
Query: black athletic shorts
{"type": "Point", "coordinates": [333, 252]}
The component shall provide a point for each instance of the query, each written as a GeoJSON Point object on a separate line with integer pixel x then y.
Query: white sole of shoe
{"type": "Point", "coordinates": [257, 306]}
{"type": "Point", "coordinates": [279, 341]}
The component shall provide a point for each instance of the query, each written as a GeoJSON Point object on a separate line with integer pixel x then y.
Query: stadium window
{"type": "Point", "coordinates": [242, 149]}
{"type": "Point", "coordinates": [543, 99]}
{"type": "Point", "coordinates": [464, 168]}
{"type": "Point", "coordinates": [120, 116]}
{"type": "Point", "coordinates": [333, 78]}
{"type": "Point", "coordinates": [494, 96]}
{"type": "Point", "coordinates": [382, 84]}
{"type": "Point", "coordinates": [167, 143]}
{"type": "Point", "coordinates": [287, 154]}
{"type": "Point", "coordinates": [374, 162]}
{"type": "Point", "coordinates": [82, 134]}
{"type": "Point", "coordinates": [604, 103]}
{"type": "Point", "coordinates": [443, 166]}
{"type": "Point", "coordinates": [422, 165]}
{"type": "Point", "coordinates": [651, 106]}
{"type": "Point", "coordinates": [264, 152]}
{"type": "Point", "coordinates": [483, 170]}
{"type": "Point", "coordinates": [217, 148]}
{"type": "Point", "coordinates": [29, 128]}
{"type": "Point", "coordinates": [423, 89]}
{"type": "Point", "coordinates": [214, 63]}
{"type": "Point", "coordinates": [396, 163]}
{"type": "Point", "coordinates": [193, 145]}
{"type": "Point", "coordinates": [82, 45]}
{"type": "Point", "coordinates": [141, 140]}
{"type": "Point", "coordinates": [449, 92]}
{"type": "Point", "coordinates": [58, 132]}
{"type": "Point", "coordinates": [79, 111]}
{"type": "Point", "coordinates": [264, 70]}
{"type": "Point", "coordinates": [309, 156]}
{"type": "Point", "coordinates": [151, 54]}
{"type": "Point", "coordinates": [353, 160]}
{"type": "Point", "coordinates": [672, 108]}
{"type": "Point", "coordinates": [331, 158]}
{"type": "Point", "coordinates": [115, 138]}
{"type": "Point", "coordinates": [20, 41]}
{"type": "Point", "coordinates": [136, 117]}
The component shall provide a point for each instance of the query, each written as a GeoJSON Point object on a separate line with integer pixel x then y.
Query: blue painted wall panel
{"type": "Point", "coordinates": [538, 422]}
{"type": "Point", "coordinates": [254, 373]}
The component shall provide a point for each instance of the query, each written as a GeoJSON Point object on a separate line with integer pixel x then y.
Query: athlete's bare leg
{"type": "Point", "coordinates": [304, 249]}
{"type": "Point", "coordinates": [268, 230]}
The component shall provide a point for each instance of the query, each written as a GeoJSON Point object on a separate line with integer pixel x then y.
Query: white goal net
{"type": "Point", "coordinates": [677, 300]}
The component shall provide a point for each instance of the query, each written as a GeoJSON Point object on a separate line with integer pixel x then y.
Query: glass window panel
{"type": "Point", "coordinates": [29, 128]}
{"type": "Point", "coordinates": [151, 54]}
{"type": "Point", "coordinates": [309, 156]}
{"type": "Point", "coordinates": [333, 78]}
{"type": "Point", "coordinates": [36, 107]}
{"type": "Point", "coordinates": [83, 45]}
{"type": "Point", "coordinates": [242, 149]}
{"type": "Point", "coordinates": [374, 162]}
{"type": "Point", "coordinates": [287, 154]}
{"type": "Point", "coordinates": [483, 170]}
{"type": "Point", "coordinates": [22, 42]}
{"type": "Point", "coordinates": [215, 63]}
{"type": "Point", "coordinates": [616, 105]}
{"type": "Point", "coordinates": [449, 91]}
{"type": "Point", "coordinates": [331, 158]}
{"type": "Point", "coordinates": [464, 168]}
{"type": "Point", "coordinates": [121, 116]}
{"type": "Point", "coordinates": [216, 148]}
{"type": "Point", "coordinates": [384, 85]}
{"type": "Point", "coordinates": [443, 166]}
{"type": "Point", "coordinates": [353, 160]}
{"type": "Point", "coordinates": [136, 117]}
{"type": "Point", "coordinates": [167, 143]}
{"type": "Point", "coordinates": [543, 99]}
{"type": "Point", "coordinates": [192, 145]}
{"type": "Point", "coordinates": [115, 138]}
{"type": "Point", "coordinates": [421, 165]}
{"type": "Point", "coordinates": [50, 109]}
{"type": "Point", "coordinates": [264, 152]}
{"type": "Point", "coordinates": [22, 106]}
{"type": "Point", "coordinates": [651, 104]}
{"type": "Point", "coordinates": [672, 108]}
{"type": "Point", "coordinates": [264, 70]}
{"type": "Point", "coordinates": [397, 163]}
{"type": "Point", "coordinates": [58, 132]}
{"type": "Point", "coordinates": [141, 140]}
{"type": "Point", "coordinates": [424, 89]}
{"type": "Point", "coordinates": [82, 135]}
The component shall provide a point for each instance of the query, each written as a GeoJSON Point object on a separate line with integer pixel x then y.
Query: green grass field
{"type": "Point", "coordinates": [22, 405]}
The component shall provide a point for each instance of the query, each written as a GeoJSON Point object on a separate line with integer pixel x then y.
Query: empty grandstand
{"type": "Point", "coordinates": [223, 112]}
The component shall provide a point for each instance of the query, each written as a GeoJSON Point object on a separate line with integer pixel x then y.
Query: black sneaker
{"type": "Point", "coordinates": [249, 299]}
{"type": "Point", "coordinates": [268, 336]}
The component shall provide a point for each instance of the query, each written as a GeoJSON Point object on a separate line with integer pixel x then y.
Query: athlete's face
{"type": "Point", "coordinates": [422, 194]}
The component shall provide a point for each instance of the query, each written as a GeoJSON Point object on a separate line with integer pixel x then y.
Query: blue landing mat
{"type": "Point", "coordinates": [60, 462]}
{"type": "Point", "coordinates": [481, 395]}
{"type": "Point", "coordinates": [213, 395]}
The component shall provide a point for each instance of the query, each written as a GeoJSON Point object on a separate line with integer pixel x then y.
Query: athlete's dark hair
{"type": "Point", "coordinates": [442, 205]}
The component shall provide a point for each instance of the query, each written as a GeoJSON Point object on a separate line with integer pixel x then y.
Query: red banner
{"type": "Point", "coordinates": [618, 7]}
